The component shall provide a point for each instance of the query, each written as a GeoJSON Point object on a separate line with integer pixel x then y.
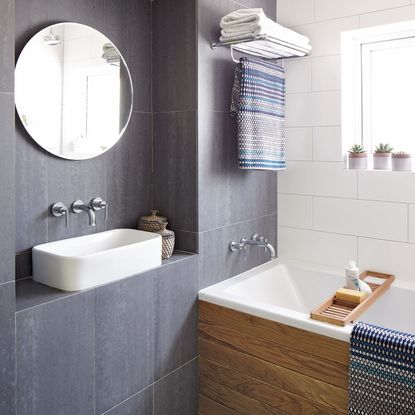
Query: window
{"type": "Point", "coordinates": [378, 87]}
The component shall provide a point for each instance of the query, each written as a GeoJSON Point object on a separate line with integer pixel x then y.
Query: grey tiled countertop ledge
{"type": "Point", "coordinates": [31, 294]}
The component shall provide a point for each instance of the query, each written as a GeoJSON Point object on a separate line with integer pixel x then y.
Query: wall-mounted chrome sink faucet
{"type": "Point", "coordinates": [78, 207]}
{"type": "Point", "coordinates": [256, 240]}
{"type": "Point", "coordinates": [59, 209]}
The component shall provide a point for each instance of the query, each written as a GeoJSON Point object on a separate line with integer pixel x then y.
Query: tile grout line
{"type": "Point", "coordinates": [126, 400]}
{"type": "Point", "coordinates": [347, 235]}
{"type": "Point", "coordinates": [239, 223]}
{"type": "Point", "coordinates": [403, 202]}
{"type": "Point", "coordinates": [176, 370]}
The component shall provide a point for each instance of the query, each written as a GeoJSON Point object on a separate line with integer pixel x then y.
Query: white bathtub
{"type": "Point", "coordinates": [287, 292]}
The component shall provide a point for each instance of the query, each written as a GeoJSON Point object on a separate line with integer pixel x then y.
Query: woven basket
{"type": "Point", "coordinates": [168, 241]}
{"type": "Point", "coordinates": [152, 223]}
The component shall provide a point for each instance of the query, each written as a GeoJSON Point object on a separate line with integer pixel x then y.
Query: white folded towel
{"type": "Point", "coordinates": [246, 23]}
{"type": "Point", "coordinates": [242, 16]}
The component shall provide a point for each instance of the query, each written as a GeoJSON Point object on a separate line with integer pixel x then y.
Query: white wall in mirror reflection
{"type": "Point", "coordinates": [75, 96]}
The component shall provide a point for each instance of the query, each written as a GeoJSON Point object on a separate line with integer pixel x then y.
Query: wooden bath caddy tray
{"type": "Point", "coordinates": [340, 312]}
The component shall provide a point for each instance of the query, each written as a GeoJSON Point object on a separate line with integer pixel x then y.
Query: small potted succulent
{"type": "Point", "coordinates": [382, 157]}
{"type": "Point", "coordinates": [401, 161]}
{"type": "Point", "coordinates": [357, 157]}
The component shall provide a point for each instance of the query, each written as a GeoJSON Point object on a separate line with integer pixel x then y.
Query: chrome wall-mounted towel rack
{"type": "Point", "coordinates": [263, 46]}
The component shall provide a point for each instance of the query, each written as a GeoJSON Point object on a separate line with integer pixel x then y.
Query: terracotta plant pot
{"type": "Point", "coordinates": [357, 160]}
{"type": "Point", "coordinates": [382, 161]}
{"type": "Point", "coordinates": [402, 163]}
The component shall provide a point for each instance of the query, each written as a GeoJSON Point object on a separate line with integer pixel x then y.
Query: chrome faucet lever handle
{"type": "Point", "coordinates": [58, 209]}
{"type": "Point", "coordinates": [98, 204]}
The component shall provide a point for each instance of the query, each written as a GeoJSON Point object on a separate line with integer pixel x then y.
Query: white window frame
{"type": "Point", "coordinates": [355, 47]}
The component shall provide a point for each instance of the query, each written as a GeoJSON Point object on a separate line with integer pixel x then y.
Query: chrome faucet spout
{"type": "Point", "coordinates": [261, 241]}
{"type": "Point", "coordinates": [78, 206]}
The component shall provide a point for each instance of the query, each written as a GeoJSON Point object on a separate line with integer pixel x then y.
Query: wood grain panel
{"type": "Point", "coordinates": [267, 350]}
{"type": "Point", "coordinates": [292, 337]}
{"type": "Point", "coordinates": [253, 366]}
{"type": "Point", "coordinates": [261, 391]}
{"type": "Point", "coordinates": [289, 380]}
{"type": "Point", "coordinates": [209, 407]}
{"type": "Point", "coordinates": [235, 400]}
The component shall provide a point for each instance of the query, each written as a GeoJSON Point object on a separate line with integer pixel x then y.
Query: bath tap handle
{"type": "Point", "coordinates": [58, 209]}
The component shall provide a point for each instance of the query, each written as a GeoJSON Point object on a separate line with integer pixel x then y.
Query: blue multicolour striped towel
{"type": "Point", "coordinates": [258, 103]}
{"type": "Point", "coordinates": [382, 371]}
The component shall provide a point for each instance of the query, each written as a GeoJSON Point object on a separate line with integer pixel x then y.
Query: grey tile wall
{"type": "Point", "coordinates": [123, 175]}
{"type": "Point", "coordinates": [175, 298]}
{"type": "Point", "coordinates": [124, 336]}
{"type": "Point", "coordinates": [174, 55]}
{"type": "Point", "coordinates": [176, 394]}
{"type": "Point", "coordinates": [7, 205]}
{"type": "Point", "coordinates": [128, 174]}
{"type": "Point", "coordinates": [7, 46]}
{"type": "Point", "coordinates": [175, 116]}
{"type": "Point", "coordinates": [218, 263]}
{"type": "Point", "coordinates": [7, 349]}
{"type": "Point", "coordinates": [139, 404]}
{"type": "Point", "coordinates": [232, 203]}
{"type": "Point", "coordinates": [102, 348]}
{"type": "Point", "coordinates": [55, 357]}
{"type": "Point", "coordinates": [175, 168]}
{"type": "Point", "coordinates": [7, 198]}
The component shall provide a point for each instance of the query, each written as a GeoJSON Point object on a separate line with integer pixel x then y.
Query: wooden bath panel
{"type": "Point", "coordinates": [252, 366]}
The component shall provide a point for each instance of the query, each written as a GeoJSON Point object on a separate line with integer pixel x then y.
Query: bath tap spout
{"type": "Point", "coordinates": [258, 240]}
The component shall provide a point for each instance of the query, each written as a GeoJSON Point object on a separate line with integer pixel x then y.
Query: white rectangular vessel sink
{"type": "Point", "coordinates": [92, 260]}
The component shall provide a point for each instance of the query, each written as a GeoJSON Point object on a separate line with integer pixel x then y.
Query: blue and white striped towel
{"type": "Point", "coordinates": [258, 103]}
{"type": "Point", "coordinates": [382, 371]}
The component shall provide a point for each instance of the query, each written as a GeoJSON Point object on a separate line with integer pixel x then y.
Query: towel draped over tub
{"type": "Point", "coordinates": [258, 103]}
{"type": "Point", "coordinates": [382, 371]}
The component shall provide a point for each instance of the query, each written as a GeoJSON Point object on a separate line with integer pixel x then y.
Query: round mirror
{"type": "Point", "coordinates": [73, 91]}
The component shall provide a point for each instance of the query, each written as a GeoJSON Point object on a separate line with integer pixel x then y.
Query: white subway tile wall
{"type": "Point", "coordinates": [295, 211]}
{"type": "Point", "coordinates": [328, 214]}
{"type": "Point", "coordinates": [299, 141]}
{"type": "Point", "coordinates": [327, 144]}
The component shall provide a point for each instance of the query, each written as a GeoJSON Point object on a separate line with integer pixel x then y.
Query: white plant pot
{"type": "Point", "coordinates": [382, 161]}
{"type": "Point", "coordinates": [402, 163]}
{"type": "Point", "coordinates": [359, 162]}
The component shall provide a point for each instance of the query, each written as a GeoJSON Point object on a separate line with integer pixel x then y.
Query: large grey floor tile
{"type": "Point", "coordinates": [140, 404]}
{"type": "Point", "coordinates": [176, 394]}
{"type": "Point", "coordinates": [124, 338]}
{"type": "Point", "coordinates": [175, 168]}
{"type": "Point", "coordinates": [55, 357]}
{"type": "Point", "coordinates": [176, 315]}
{"type": "Point", "coordinates": [7, 350]}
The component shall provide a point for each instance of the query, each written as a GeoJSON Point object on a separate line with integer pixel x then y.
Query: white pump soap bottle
{"type": "Point", "coordinates": [352, 276]}
{"type": "Point", "coordinates": [353, 282]}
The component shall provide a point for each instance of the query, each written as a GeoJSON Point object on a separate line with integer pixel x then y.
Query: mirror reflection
{"type": "Point", "coordinates": [73, 91]}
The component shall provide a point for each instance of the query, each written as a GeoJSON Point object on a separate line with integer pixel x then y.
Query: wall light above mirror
{"type": "Point", "coordinates": [378, 87]}
{"type": "Point", "coordinates": [73, 91]}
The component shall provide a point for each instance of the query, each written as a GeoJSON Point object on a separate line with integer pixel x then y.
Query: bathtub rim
{"type": "Point", "coordinates": [216, 294]}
